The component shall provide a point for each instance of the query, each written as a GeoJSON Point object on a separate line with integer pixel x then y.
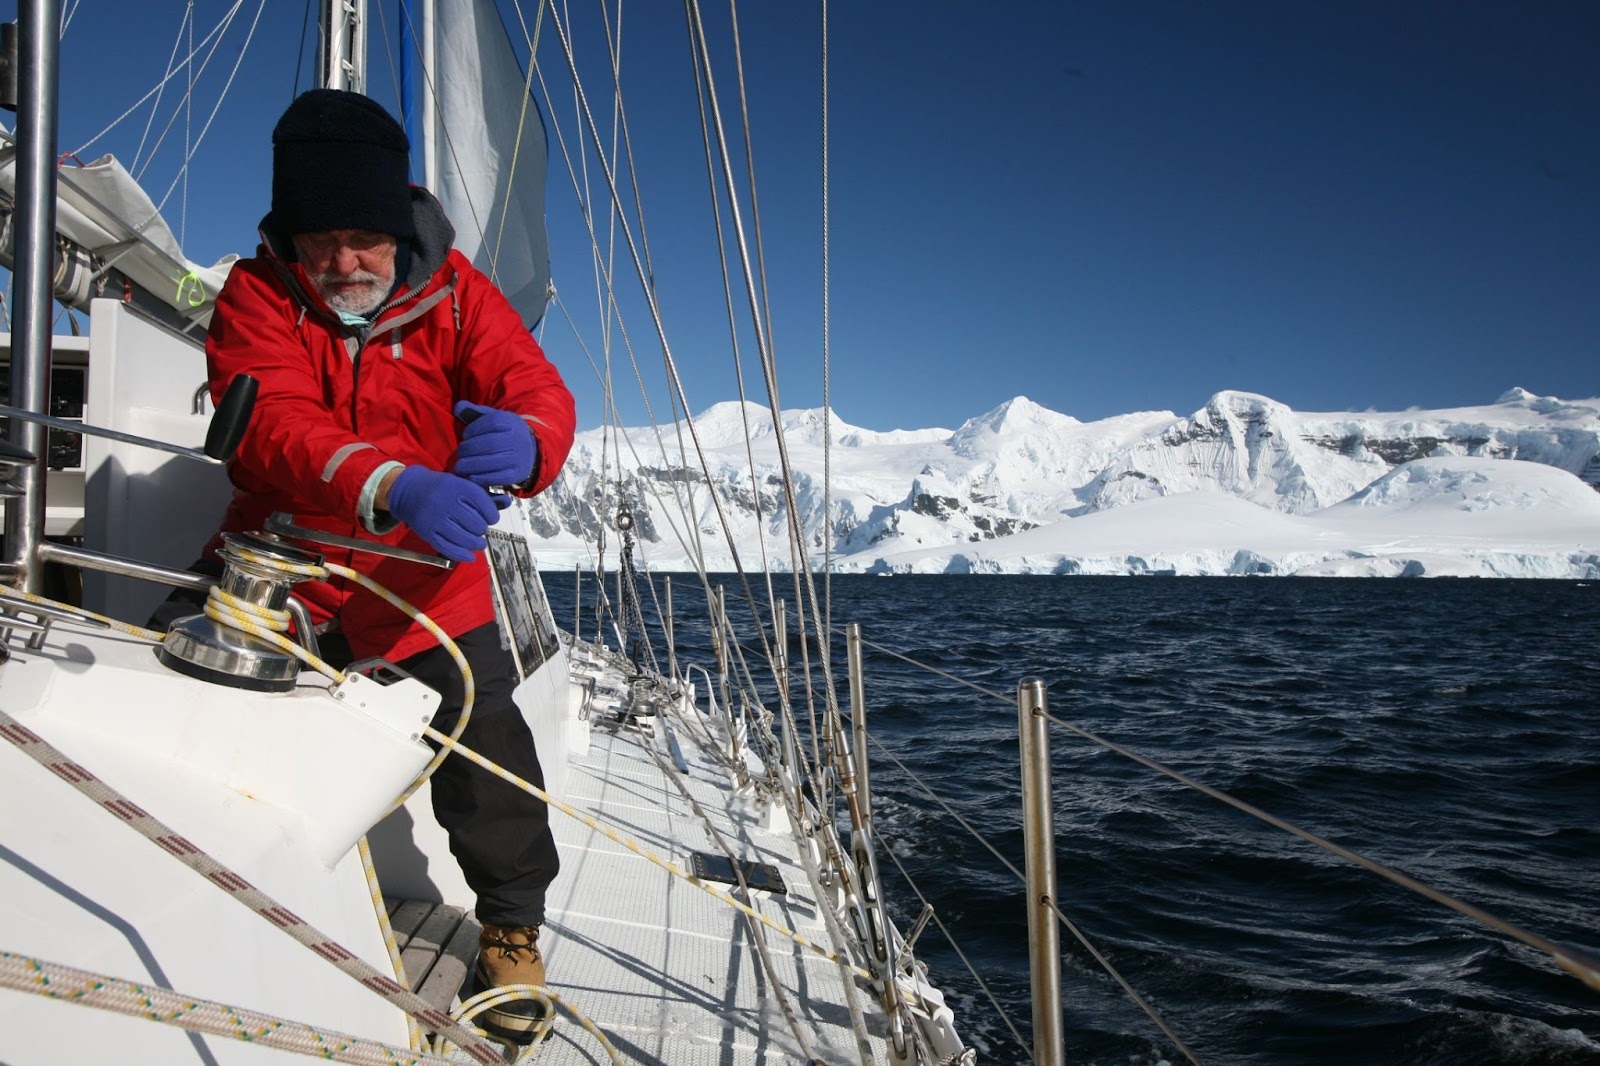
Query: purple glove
{"type": "Point", "coordinates": [448, 512]}
{"type": "Point", "coordinates": [497, 447]}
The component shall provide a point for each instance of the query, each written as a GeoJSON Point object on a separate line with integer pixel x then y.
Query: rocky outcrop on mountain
{"type": "Point", "coordinates": [1261, 451]}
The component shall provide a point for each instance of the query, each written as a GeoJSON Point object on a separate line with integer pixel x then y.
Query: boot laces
{"type": "Point", "coordinates": [500, 940]}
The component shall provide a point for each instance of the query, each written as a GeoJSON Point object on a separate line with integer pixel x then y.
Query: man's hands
{"type": "Point", "coordinates": [453, 511]}
{"type": "Point", "coordinates": [449, 512]}
{"type": "Point", "coordinates": [497, 447]}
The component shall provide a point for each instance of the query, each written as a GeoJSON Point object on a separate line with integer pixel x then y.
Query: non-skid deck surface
{"type": "Point", "coordinates": [667, 971]}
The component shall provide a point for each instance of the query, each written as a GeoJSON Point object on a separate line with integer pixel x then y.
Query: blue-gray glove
{"type": "Point", "coordinates": [497, 447]}
{"type": "Point", "coordinates": [450, 513]}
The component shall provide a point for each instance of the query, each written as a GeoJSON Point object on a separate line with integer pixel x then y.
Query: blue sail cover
{"type": "Point", "coordinates": [489, 138]}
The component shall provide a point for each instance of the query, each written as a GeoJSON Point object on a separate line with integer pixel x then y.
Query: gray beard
{"type": "Point", "coordinates": [362, 301]}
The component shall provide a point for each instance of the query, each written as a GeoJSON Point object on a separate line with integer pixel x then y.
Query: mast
{"type": "Point", "coordinates": [38, 58]}
{"type": "Point", "coordinates": [342, 45]}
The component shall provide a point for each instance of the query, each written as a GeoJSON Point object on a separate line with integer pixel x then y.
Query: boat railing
{"type": "Point", "coordinates": [1045, 916]}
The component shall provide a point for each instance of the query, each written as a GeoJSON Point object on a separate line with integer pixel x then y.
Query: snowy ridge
{"type": "Point", "coordinates": [1245, 485]}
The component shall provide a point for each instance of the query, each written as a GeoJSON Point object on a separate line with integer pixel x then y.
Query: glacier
{"type": "Point", "coordinates": [1244, 486]}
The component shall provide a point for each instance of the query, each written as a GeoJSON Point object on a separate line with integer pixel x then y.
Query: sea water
{"type": "Point", "coordinates": [1448, 729]}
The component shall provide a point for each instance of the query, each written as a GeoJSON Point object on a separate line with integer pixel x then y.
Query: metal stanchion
{"type": "Point", "coordinates": [858, 720]}
{"type": "Point", "coordinates": [780, 644]}
{"type": "Point", "coordinates": [672, 646]}
{"type": "Point", "coordinates": [1038, 829]}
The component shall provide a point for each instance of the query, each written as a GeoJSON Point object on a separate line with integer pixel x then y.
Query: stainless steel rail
{"type": "Point", "coordinates": [33, 270]}
{"type": "Point", "coordinates": [858, 719]}
{"type": "Point", "coordinates": [1039, 842]}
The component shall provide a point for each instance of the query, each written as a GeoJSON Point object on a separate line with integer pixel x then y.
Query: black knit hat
{"type": "Point", "coordinates": [339, 161]}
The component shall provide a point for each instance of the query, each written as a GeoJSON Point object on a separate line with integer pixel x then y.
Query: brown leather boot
{"type": "Point", "coordinates": [509, 955]}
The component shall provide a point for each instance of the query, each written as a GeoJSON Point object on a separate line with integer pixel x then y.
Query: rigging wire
{"type": "Point", "coordinates": [177, 39]}
{"type": "Point", "coordinates": [619, 223]}
{"type": "Point", "coordinates": [733, 331]}
{"type": "Point", "coordinates": [675, 379]}
{"type": "Point", "coordinates": [391, 47]}
{"type": "Point", "coordinates": [796, 546]}
{"type": "Point", "coordinates": [183, 171]}
{"type": "Point", "coordinates": [66, 16]}
{"type": "Point", "coordinates": [827, 366]}
{"type": "Point", "coordinates": [955, 945]}
{"type": "Point", "coordinates": [188, 141]}
{"type": "Point", "coordinates": [172, 72]}
{"type": "Point", "coordinates": [606, 299]}
{"type": "Point", "coordinates": [187, 66]}
{"type": "Point", "coordinates": [799, 565]}
{"type": "Point", "coordinates": [300, 55]}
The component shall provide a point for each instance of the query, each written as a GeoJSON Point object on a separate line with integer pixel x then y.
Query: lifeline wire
{"type": "Point", "coordinates": [1575, 961]}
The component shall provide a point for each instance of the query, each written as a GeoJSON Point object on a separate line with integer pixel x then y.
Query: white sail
{"type": "Point", "coordinates": [489, 151]}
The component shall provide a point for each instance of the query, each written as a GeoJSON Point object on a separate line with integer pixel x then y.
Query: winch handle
{"type": "Point", "coordinates": [232, 418]}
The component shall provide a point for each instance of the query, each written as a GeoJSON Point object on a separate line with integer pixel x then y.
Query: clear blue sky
{"type": "Point", "coordinates": [1104, 206]}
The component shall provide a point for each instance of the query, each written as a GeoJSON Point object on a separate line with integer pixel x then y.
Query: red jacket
{"type": "Point", "coordinates": [334, 405]}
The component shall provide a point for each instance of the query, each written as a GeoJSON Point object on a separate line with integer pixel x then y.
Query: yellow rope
{"type": "Point", "coordinates": [468, 689]}
{"type": "Point", "coordinates": [270, 625]}
{"type": "Point", "coordinates": [390, 944]}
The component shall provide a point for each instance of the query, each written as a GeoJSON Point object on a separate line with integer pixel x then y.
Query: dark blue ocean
{"type": "Point", "coordinates": [1447, 728]}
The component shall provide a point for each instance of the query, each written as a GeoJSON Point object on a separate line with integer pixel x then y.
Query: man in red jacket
{"type": "Point", "coordinates": [398, 386]}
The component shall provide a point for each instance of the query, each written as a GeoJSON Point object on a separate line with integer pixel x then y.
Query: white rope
{"type": "Point", "coordinates": [493, 997]}
{"type": "Point", "coordinates": [23, 973]}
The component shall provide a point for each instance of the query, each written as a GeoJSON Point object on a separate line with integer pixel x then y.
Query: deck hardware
{"type": "Point", "coordinates": [283, 525]}
{"type": "Point", "coordinates": [760, 876]}
{"type": "Point", "coordinates": [916, 930]}
{"type": "Point", "coordinates": [13, 616]}
{"type": "Point", "coordinates": [200, 647]}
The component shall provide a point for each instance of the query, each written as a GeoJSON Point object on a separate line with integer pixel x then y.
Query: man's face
{"type": "Point", "coordinates": [353, 269]}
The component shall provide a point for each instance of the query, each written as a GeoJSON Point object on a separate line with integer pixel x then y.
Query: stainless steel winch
{"type": "Point", "coordinates": [204, 648]}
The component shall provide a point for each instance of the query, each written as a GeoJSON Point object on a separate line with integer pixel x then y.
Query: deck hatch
{"type": "Point", "coordinates": [761, 876]}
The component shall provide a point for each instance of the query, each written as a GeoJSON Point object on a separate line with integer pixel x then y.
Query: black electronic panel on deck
{"type": "Point", "coordinates": [761, 876]}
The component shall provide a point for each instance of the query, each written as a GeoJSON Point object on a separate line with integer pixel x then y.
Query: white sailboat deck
{"type": "Point", "coordinates": [669, 972]}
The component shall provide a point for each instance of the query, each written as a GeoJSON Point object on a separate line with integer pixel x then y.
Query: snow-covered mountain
{"type": "Point", "coordinates": [1243, 486]}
